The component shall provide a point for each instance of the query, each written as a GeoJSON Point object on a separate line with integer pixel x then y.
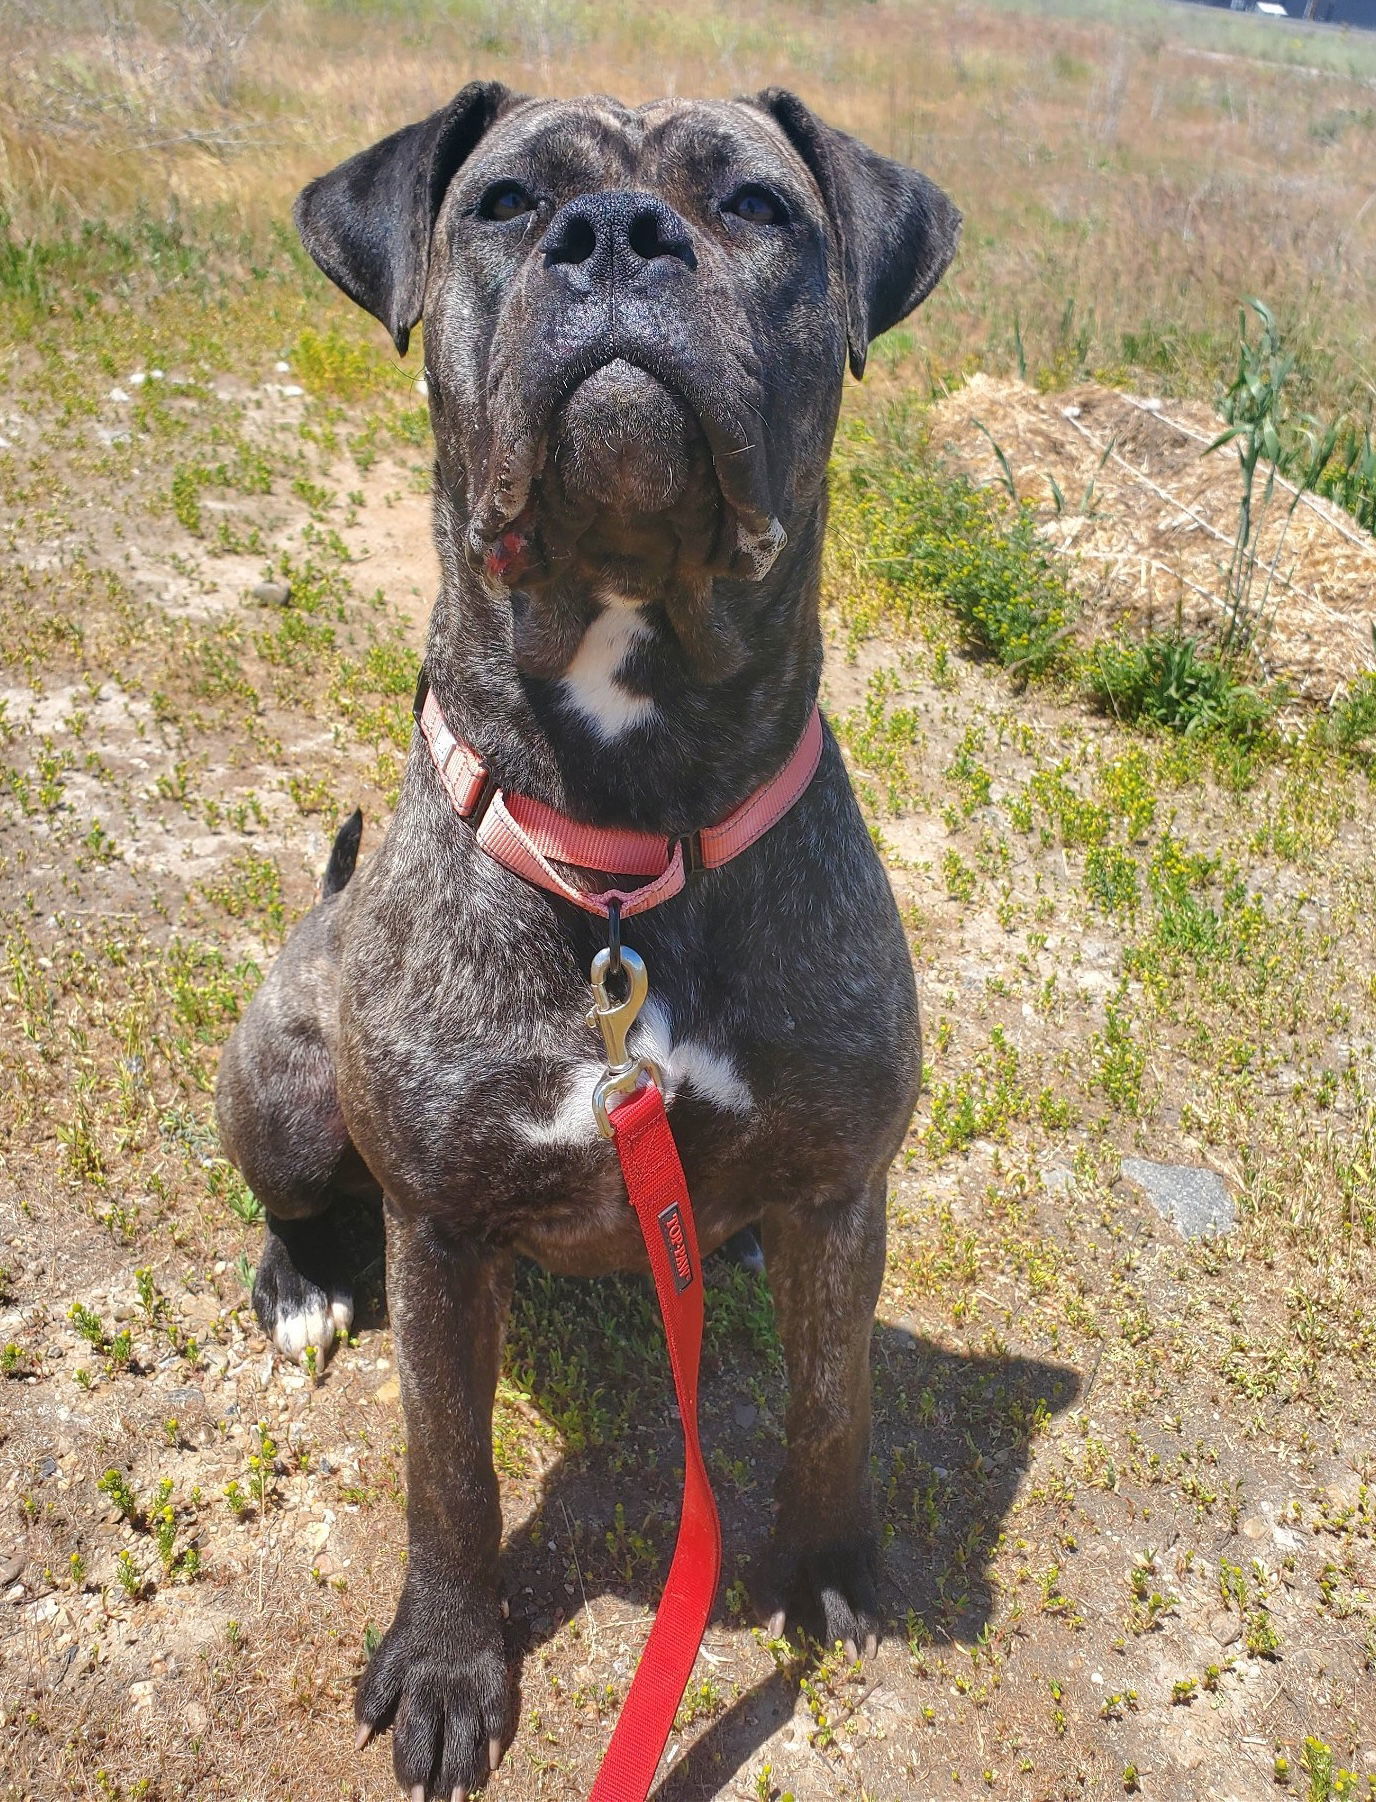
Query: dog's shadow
{"type": "Point", "coordinates": [952, 1433]}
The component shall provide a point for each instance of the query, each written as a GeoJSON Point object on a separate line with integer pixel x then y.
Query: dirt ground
{"type": "Point", "coordinates": [1126, 1480]}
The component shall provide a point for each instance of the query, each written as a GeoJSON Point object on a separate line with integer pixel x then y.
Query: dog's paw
{"type": "Point", "coordinates": [296, 1313]}
{"type": "Point", "coordinates": [439, 1680]}
{"type": "Point", "coordinates": [831, 1592]}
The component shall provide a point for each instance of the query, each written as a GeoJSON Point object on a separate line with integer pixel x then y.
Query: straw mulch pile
{"type": "Point", "coordinates": [1151, 521]}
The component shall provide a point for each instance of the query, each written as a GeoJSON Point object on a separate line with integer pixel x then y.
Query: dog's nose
{"type": "Point", "coordinates": [619, 231]}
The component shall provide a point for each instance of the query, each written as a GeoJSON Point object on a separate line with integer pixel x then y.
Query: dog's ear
{"type": "Point", "coordinates": [897, 230]}
{"type": "Point", "coordinates": [368, 223]}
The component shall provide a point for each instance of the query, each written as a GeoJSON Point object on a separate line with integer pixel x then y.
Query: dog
{"type": "Point", "coordinates": [636, 329]}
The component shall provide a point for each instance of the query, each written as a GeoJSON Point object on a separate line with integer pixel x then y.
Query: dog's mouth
{"type": "Point", "coordinates": [626, 452]}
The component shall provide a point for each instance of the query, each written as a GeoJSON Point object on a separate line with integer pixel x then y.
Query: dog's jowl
{"type": "Point", "coordinates": [636, 329]}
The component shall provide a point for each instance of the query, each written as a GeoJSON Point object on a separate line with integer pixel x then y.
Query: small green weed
{"type": "Point", "coordinates": [250, 887]}
{"type": "Point", "coordinates": [1171, 682]}
{"type": "Point", "coordinates": [114, 1485]}
{"type": "Point", "coordinates": [1292, 451]}
{"type": "Point", "coordinates": [345, 369]}
{"type": "Point", "coordinates": [1351, 720]}
{"type": "Point", "coordinates": [1110, 879]}
{"type": "Point", "coordinates": [1328, 1782]}
{"type": "Point", "coordinates": [925, 536]}
{"type": "Point", "coordinates": [982, 1100]}
{"type": "Point", "coordinates": [1350, 475]}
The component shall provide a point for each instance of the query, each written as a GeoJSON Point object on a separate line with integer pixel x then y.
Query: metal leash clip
{"type": "Point", "coordinates": [625, 1072]}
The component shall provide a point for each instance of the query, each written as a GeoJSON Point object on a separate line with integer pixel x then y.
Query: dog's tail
{"type": "Point", "coordinates": [343, 854]}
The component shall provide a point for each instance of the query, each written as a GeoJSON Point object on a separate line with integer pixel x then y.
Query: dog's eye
{"type": "Point", "coordinates": [505, 200]}
{"type": "Point", "coordinates": [755, 205]}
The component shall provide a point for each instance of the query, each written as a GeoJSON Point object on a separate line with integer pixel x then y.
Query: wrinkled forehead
{"type": "Point", "coordinates": [579, 146]}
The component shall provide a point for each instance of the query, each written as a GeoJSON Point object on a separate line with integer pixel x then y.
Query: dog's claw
{"type": "Point", "coordinates": [495, 1752]}
{"type": "Point", "coordinates": [364, 1734]}
{"type": "Point", "coordinates": [872, 1646]}
{"type": "Point", "coordinates": [460, 1794]}
{"type": "Point", "coordinates": [852, 1652]}
{"type": "Point", "coordinates": [776, 1624]}
{"type": "Point", "coordinates": [417, 1792]}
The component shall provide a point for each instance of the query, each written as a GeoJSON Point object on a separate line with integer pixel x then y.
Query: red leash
{"type": "Point", "coordinates": [658, 1192]}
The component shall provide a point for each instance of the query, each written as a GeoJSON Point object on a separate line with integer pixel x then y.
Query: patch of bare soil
{"type": "Point", "coordinates": [1153, 519]}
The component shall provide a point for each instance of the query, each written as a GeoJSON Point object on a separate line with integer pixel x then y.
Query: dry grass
{"type": "Point", "coordinates": [1127, 173]}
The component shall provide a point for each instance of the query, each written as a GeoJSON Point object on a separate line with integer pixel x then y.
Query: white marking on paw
{"type": "Point", "coordinates": [590, 683]}
{"type": "Point", "coordinates": [308, 1326]}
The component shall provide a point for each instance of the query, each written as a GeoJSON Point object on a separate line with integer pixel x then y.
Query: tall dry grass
{"type": "Point", "coordinates": [1127, 172]}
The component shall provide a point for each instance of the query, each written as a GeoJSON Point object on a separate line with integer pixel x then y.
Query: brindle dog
{"type": "Point", "coordinates": [637, 324]}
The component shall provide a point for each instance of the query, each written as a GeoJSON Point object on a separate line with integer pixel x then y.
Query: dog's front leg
{"type": "Point", "coordinates": [825, 1262]}
{"type": "Point", "coordinates": [439, 1678]}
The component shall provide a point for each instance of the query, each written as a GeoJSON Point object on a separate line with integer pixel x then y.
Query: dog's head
{"type": "Point", "coordinates": [636, 322]}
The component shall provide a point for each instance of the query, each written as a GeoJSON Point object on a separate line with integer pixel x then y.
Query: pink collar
{"type": "Point", "coordinates": [530, 838]}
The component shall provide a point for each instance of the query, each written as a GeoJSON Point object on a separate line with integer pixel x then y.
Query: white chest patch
{"type": "Point", "coordinates": [687, 1064]}
{"type": "Point", "coordinates": [691, 1064]}
{"type": "Point", "coordinates": [590, 683]}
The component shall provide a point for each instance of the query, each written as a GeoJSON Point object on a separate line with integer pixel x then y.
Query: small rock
{"type": "Point", "coordinates": [1226, 1628]}
{"type": "Point", "coordinates": [388, 1392]}
{"type": "Point", "coordinates": [1339, 1483]}
{"type": "Point", "coordinates": [200, 1310]}
{"type": "Point", "coordinates": [141, 1694]}
{"type": "Point", "coordinates": [1194, 1199]}
{"type": "Point", "coordinates": [118, 394]}
{"type": "Point", "coordinates": [197, 1718]}
{"type": "Point", "coordinates": [10, 1569]}
{"type": "Point", "coordinates": [47, 1467]}
{"type": "Point", "coordinates": [282, 368]}
{"type": "Point", "coordinates": [1254, 1527]}
{"type": "Point", "coordinates": [272, 594]}
{"type": "Point", "coordinates": [746, 1415]}
{"type": "Point", "coordinates": [188, 1400]}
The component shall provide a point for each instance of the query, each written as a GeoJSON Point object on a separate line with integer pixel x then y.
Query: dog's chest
{"type": "Point", "coordinates": [701, 1064]}
{"type": "Point", "coordinates": [781, 1016]}
{"type": "Point", "coordinates": [492, 1125]}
